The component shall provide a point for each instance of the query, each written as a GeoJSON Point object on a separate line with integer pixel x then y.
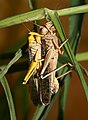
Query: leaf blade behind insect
{"type": "Point", "coordinates": [6, 68]}
{"type": "Point", "coordinates": [8, 94]}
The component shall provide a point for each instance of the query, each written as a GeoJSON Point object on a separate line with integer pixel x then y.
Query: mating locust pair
{"type": "Point", "coordinates": [43, 52]}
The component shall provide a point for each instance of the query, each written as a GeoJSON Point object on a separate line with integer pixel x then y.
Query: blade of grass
{"type": "Point", "coordinates": [73, 10]}
{"type": "Point", "coordinates": [9, 98]}
{"type": "Point", "coordinates": [5, 69]}
{"type": "Point", "coordinates": [25, 17]}
{"type": "Point", "coordinates": [63, 97]}
{"type": "Point", "coordinates": [40, 14]}
{"type": "Point", "coordinates": [32, 4]}
{"type": "Point", "coordinates": [84, 70]}
{"type": "Point", "coordinates": [75, 26]}
{"type": "Point", "coordinates": [39, 111]}
{"type": "Point", "coordinates": [82, 56]}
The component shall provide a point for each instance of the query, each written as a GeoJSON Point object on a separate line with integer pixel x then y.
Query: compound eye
{"type": "Point", "coordinates": [44, 31]}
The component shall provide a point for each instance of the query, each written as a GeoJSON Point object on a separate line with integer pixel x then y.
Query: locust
{"type": "Point", "coordinates": [36, 54]}
{"type": "Point", "coordinates": [32, 76]}
{"type": "Point", "coordinates": [53, 50]}
{"type": "Point", "coordinates": [34, 50]}
{"type": "Point", "coordinates": [48, 83]}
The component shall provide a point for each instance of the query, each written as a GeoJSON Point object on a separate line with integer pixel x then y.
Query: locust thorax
{"type": "Point", "coordinates": [34, 40]}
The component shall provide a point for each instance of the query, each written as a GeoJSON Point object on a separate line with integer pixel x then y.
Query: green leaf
{"type": "Point", "coordinates": [40, 14]}
{"type": "Point", "coordinates": [37, 114]}
{"type": "Point", "coordinates": [32, 4]}
{"type": "Point", "coordinates": [82, 56]}
{"type": "Point", "coordinates": [8, 97]}
{"type": "Point", "coordinates": [73, 10]}
{"type": "Point", "coordinates": [5, 69]}
{"type": "Point", "coordinates": [25, 17]}
{"type": "Point", "coordinates": [84, 70]}
{"type": "Point", "coordinates": [75, 27]}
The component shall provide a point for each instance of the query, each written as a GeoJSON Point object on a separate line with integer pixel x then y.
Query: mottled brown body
{"type": "Point", "coordinates": [45, 84]}
{"type": "Point", "coordinates": [52, 53]}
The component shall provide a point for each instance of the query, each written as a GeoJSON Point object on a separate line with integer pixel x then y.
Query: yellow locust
{"type": "Point", "coordinates": [39, 88]}
{"type": "Point", "coordinates": [34, 49]}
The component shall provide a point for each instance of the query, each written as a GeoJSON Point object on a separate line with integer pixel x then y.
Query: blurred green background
{"type": "Point", "coordinates": [77, 106]}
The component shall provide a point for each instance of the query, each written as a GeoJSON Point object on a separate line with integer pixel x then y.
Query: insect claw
{"type": "Point", "coordinates": [63, 43]}
{"type": "Point", "coordinates": [41, 76]}
{"type": "Point", "coordinates": [71, 65]}
{"type": "Point", "coordinates": [66, 73]}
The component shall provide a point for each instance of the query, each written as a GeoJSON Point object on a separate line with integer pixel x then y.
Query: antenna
{"type": "Point", "coordinates": [26, 27]}
{"type": "Point", "coordinates": [34, 24]}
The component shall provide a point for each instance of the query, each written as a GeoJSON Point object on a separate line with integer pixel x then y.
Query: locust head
{"type": "Point", "coordinates": [48, 28]}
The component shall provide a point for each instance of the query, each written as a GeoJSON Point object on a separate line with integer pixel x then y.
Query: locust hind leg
{"type": "Point", "coordinates": [55, 70]}
{"type": "Point", "coordinates": [65, 74]}
{"type": "Point", "coordinates": [33, 66]}
{"type": "Point", "coordinates": [55, 83]}
{"type": "Point", "coordinates": [47, 61]}
{"type": "Point", "coordinates": [59, 47]}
